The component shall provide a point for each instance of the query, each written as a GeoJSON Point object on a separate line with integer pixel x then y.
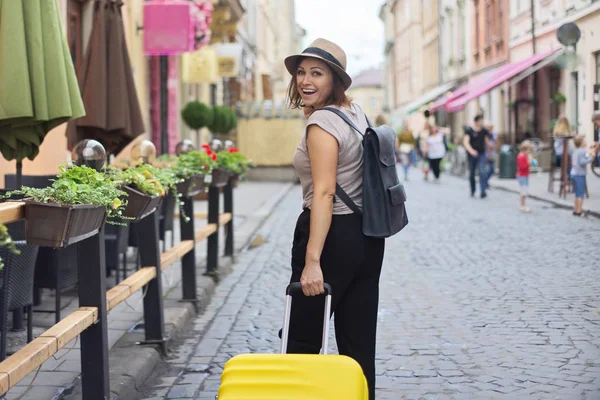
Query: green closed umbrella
{"type": "Point", "coordinates": [38, 85]}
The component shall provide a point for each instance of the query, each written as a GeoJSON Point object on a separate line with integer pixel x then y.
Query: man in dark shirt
{"type": "Point", "coordinates": [476, 143]}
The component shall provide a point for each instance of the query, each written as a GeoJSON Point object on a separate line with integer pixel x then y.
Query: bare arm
{"type": "Point", "coordinates": [467, 145]}
{"type": "Point", "coordinates": [323, 154]}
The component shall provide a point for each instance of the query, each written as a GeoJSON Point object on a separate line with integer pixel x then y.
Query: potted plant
{"type": "Point", "coordinates": [72, 209]}
{"type": "Point", "coordinates": [6, 241]}
{"type": "Point", "coordinates": [220, 173]}
{"type": "Point", "coordinates": [192, 168]}
{"type": "Point", "coordinates": [235, 162]}
{"type": "Point", "coordinates": [197, 115]}
{"type": "Point", "coordinates": [144, 189]}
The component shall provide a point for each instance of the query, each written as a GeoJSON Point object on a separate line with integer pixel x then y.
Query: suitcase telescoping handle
{"type": "Point", "coordinates": [296, 288]}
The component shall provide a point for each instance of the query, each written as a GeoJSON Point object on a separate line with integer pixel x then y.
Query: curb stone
{"type": "Point", "coordinates": [545, 200]}
{"type": "Point", "coordinates": [131, 364]}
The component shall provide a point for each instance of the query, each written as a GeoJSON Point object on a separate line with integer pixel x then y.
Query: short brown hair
{"type": "Point", "coordinates": [578, 141]}
{"type": "Point", "coordinates": [338, 94]}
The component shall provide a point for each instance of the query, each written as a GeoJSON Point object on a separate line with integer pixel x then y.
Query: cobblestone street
{"type": "Point", "coordinates": [478, 301]}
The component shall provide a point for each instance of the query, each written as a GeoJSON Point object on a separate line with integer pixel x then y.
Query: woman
{"type": "Point", "coordinates": [434, 149]}
{"type": "Point", "coordinates": [329, 245]}
{"type": "Point", "coordinates": [405, 144]}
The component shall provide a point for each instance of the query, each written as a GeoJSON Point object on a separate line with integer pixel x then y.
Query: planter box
{"type": "Point", "coordinates": [235, 180]}
{"type": "Point", "coordinates": [192, 186]}
{"type": "Point", "coordinates": [139, 205]}
{"type": "Point", "coordinates": [220, 177]}
{"type": "Point", "coordinates": [54, 225]}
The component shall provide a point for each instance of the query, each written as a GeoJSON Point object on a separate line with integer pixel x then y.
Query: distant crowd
{"type": "Point", "coordinates": [426, 149]}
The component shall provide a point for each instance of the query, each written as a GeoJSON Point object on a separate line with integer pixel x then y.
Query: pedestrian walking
{"type": "Point", "coordinates": [405, 144]}
{"type": "Point", "coordinates": [475, 142]}
{"type": "Point", "coordinates": [579, 161]}
{"type": "Point", "coordinates": [524, 161]}
{"type": "Point", "coordinates": [329, 245]}
{"type": "Point", "coordinates": [434, 149]}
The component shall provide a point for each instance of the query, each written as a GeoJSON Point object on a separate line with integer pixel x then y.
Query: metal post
{"type": "Point", "coordinates": [188, 261]}
{"type": "Point", "coordinates": [228, 208]}
{"type": "Point", "coordinates": [212, 256]}
{"type": "Point", "coordinates": [164, 104]}
{"type": "Point", "coordinates": [149, 250]}
{"type": "Point", "coordinates": [91, 267]}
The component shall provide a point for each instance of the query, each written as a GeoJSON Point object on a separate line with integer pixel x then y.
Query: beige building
{"type": "Point", "coordinates": [431, 48]}
{"type": "Point", "coordinates": [367, 91]}
{"type": "Point", "coordinates": [408, 51]}
{"type": "Point", "coordinates": [389, 76]}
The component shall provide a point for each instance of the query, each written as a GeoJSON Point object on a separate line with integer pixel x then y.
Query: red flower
{"type": "Point", "coordinates": [233, 150]}
{"type": "Point", "coordinates": [214, 157]}
{"type": "Point", "coordinates": [205, 146]}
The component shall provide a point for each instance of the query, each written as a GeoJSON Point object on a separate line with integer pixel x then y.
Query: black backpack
{"type": "Point", "coordinates": [384, 212]}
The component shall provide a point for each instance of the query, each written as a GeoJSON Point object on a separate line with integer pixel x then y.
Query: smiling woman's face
{"type": "Point", "coordinates": [314, 81]}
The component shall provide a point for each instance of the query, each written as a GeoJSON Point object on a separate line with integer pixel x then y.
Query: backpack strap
{"type": "Point", "coordinates": [339, 192]}
{"type": "Point", "coordinates": [344, 117]}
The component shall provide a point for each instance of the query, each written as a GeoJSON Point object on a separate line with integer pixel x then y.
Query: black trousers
{"type": "Point", "coordinates": [434, 164]}
{"type": "Point", "coordinates": [351, 264]}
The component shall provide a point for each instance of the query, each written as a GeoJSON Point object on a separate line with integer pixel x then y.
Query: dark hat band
{"type": "Point", "coordinates": [323, 54]}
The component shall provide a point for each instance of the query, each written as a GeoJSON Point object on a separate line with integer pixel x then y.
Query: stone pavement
{"type": "Point", "coordinates": [478, 301]}
{"type": "Point", "coordinates": [538, 188]}
{"type": "Point", "coordinates": [253, 201]}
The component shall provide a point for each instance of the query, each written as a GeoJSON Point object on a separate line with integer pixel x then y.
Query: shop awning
{"type": "Point", "coordinates": [431, 95]}
{"type": "Point", "coordinates": [531, 70]}
{"type": "Point", "coordinates": [463, 89]}
{"type": "Point", "coordinates": [499, 76]}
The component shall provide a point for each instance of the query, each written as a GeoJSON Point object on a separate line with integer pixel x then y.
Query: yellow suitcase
{"type": "Point", "coordinates": [294, 376]}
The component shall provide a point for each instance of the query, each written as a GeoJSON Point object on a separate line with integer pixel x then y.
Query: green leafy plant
{"type": "Point", "coordinates": [559, 98]}
{"type": "Point", "coordinates": [79, 185]}
{"type": "Point", "coordinates": [6, 241]}
{"type": "Point", "coordinates": [194, 163]}
{"type": "Point", "coordinates": [224, 120]}
{"type": "Point", "coordinates": [233, 161]}
{"type": "Point", "coordinates": [142, 177]}
{"type": "Point", "coordinates": [166, 158]}
{"type": "Point", "coordinates": [197, 115]}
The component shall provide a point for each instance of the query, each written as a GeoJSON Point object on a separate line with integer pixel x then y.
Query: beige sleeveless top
{"type": "Point", "coordinates": [350, 156]}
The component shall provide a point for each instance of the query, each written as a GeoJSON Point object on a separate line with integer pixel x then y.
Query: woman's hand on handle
{"type": "Point", "coordinates": [312, 280]}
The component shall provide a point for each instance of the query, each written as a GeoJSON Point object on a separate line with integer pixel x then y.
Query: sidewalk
{"type": "Point", "coordinates": [58, 377]}
{"type": "Point", "coordinates": [538, 189]}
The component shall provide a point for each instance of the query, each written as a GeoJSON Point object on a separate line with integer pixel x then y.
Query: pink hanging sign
{"type": "Point", "coordinates": [169, 27]}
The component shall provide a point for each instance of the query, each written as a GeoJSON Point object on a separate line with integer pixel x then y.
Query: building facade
{"type": "Point", "coordinates": [574, 75]}
{"type": "Point", "coordinates": [408, 51]}
{"type": "Point", "coordinates": [367, 90]}
{"type": "Point", "coordinates": [389, 77]}
{"type": "Point", "coordinates": [431, 47]}
{"type": "Point", "coordinates": [489, 49]}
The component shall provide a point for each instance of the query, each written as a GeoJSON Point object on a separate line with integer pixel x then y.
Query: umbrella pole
{"type": "Point", "coordinates": [19, 176]}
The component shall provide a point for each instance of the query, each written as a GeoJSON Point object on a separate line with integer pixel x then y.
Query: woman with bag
{"type": "Point", "coordinates": [434, 149]}
{"type": "Point", "coordinates": [329, 245]}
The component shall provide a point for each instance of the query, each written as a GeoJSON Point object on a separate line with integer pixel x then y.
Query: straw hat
{"type": "Point", "coordinates": [327, 51]}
